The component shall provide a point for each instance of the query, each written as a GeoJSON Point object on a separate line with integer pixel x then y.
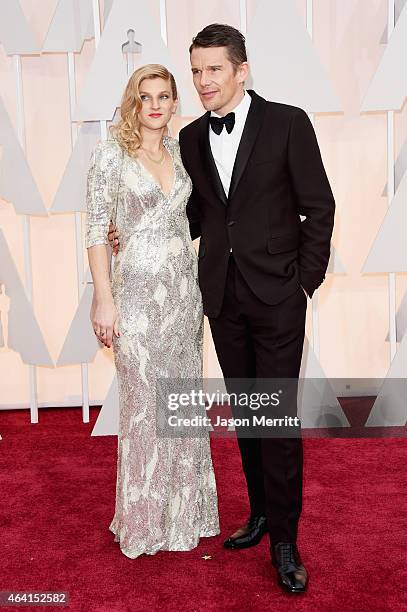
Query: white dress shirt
{"type": "Point", "coordinates": [224, 146]}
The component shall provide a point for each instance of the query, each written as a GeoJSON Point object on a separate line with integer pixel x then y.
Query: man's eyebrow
{"type": "Point", "coordinates": [210, 66]}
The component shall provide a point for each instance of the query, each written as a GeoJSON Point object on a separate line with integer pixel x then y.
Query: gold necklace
{"type": "Point", "coordinates": [156, 161]}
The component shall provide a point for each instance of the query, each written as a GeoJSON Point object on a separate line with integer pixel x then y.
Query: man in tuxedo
{"type": "Point", "coordinates": [256, 167]}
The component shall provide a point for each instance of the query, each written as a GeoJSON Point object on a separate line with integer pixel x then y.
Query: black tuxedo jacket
{"type": "Point", "coordinates": [278, 175]}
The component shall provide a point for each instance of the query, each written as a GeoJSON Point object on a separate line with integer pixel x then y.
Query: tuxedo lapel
{"type": "Point", "coordinates": [207, 158]}
{"type": "Point", "coordinates": [251, 129]}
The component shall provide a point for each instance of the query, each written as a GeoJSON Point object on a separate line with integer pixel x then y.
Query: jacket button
{"type": "Point", "coordinates": [231, 222]}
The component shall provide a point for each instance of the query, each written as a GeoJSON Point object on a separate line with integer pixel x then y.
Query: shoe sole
{"type": "Point", "coordinates": [292, 591]}
{"type": "Point", "coordinates": [249, 545]}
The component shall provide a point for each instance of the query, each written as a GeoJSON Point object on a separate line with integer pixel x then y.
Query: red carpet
{"type": "Point", "coordinates": [58, 487]}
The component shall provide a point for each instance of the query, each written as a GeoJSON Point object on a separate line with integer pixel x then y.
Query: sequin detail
{"type": "Point", "coordinates": [165, 489]}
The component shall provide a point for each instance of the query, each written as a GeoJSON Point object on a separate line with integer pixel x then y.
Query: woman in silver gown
{"type": "Point", "coordinates": [151, 312]}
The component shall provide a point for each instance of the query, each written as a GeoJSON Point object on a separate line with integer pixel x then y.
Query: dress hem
{"type": "Point", "coordinates": [133, 555]}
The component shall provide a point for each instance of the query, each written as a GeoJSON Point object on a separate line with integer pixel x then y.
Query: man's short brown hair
{"type": "Point", "coordinates": [222, 35]}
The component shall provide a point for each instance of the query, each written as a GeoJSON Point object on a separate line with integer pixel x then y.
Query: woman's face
{"type": "Point", "coordinates": [158, 105]}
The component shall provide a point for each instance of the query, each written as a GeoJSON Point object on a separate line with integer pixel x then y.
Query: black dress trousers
{"type": "Point", "coordinates": [254, 340]}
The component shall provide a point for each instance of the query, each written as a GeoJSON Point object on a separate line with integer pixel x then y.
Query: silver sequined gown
{"type": "Point", "coordinates": [165, 490]}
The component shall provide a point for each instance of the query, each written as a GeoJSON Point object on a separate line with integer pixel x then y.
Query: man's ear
{"type": "Point", "coordinates": [243, 72]}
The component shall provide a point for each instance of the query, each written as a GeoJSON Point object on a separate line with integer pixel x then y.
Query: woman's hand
{"type": "Point", "coordinates": [105, 320]}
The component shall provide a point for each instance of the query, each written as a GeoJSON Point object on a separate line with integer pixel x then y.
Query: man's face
{"type": "Point", "coordinates": [219, 86]}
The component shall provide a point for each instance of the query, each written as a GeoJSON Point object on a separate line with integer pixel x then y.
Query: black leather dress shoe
{"type": "Point", "coordinates": [292, 575]}
{"type": "Point", "coordinates": [249, 535]}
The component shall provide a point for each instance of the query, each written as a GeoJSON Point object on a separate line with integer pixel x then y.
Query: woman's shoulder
{"type": "Point", "coordinates": [171, 142]}
{"type": "Point", "coordinates": [106, 151]}
{"type": "Point", "coordinates": [108, 147]}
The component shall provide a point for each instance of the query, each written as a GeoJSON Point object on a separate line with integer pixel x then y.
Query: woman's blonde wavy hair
{"type": "Point", "coordinates": [127, 130]}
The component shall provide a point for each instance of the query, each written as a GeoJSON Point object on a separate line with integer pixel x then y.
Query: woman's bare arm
{"type": "Point", "coordinates": [103, 314]}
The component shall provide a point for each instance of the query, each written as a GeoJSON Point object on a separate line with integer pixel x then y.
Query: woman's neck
{"type": "Point", "coordinates": [151, 139]}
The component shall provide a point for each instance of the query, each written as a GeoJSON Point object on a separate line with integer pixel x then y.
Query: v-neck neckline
{"type": "Point", "coordinates": [152, 178]}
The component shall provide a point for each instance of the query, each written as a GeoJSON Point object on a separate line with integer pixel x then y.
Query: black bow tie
{"type": "Point", "coordinates": [217, 123]}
